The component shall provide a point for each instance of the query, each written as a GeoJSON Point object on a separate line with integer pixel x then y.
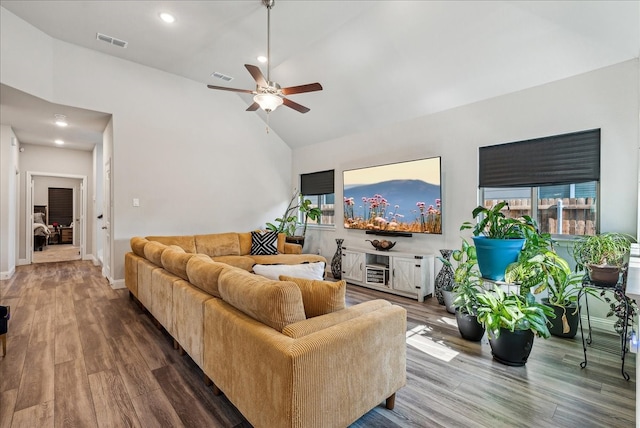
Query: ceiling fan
{"type": "Point", "coordinates": [269, 95]}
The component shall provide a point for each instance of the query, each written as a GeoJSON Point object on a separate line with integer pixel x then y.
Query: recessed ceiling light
{"type": "Point", "coordinates": [59, 142]}
{"type": "Point", "coordinates": [167, 17]}
{"type": "Point", "coordinates": [262, 58]}
{"type": "Point", "coordinates": [61, 120]}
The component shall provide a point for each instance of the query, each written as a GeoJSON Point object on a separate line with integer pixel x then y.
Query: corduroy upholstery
{"type": "Point", "coordinates": [186, 242]}
{"type": "Point", "coordinates": [319, 297]}
{"type": "Point", "coordinates": [131, 272]}
{"type": "Point", "coordinates": [231, 248]}
{"type": "Point", "coordinates": [328, 378]}
{"type": "Point", "coordinates": [175, 259]}
{"type": "Point", "coordinates": [204, 272]}
{"type": "Point", "coordinates": [153, 252]}
{"type": "Point", "coordinates": [188, 318]}
{"type": "Point", "coordinates": [274, 303]}
{"type": "Point", "coordinates": [276, 365]}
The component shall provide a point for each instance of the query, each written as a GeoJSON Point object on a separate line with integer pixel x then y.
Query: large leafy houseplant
{"type": "Point", "coordinates": [466, 278]}
{"type": "Point", "coordinates": [289, 222]}
{"type": "Point", "coordinates": [498, 239]}
{"type": "Point", "coordinates": [602, 256]}
{"type": "Point", "coordinates": [606, 249]}
{"type": "Point", "coordinates": [499, 311]}
{"type": "Point", "coordinates": [467, 286]}
{"type": "Point", "coordinates": [493, 224]}
{"type": "Point", "coordinates": [540, 269]}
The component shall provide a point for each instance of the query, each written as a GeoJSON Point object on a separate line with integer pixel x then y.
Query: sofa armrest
{"type": "Point", "coordinates": [291, 248]}
{"type": "Point", "coordinates": [311, 325]}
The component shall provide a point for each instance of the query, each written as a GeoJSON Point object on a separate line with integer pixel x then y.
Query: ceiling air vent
{"type": "Point", "coordinates": [111, 40]}
{"type": "Point", "coordinates": [222, 76]}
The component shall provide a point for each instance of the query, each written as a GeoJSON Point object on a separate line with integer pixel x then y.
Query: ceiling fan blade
{"type": "Point", "coordinates": [295, 106]}
{"type": "Point", "coordinates": [246, 91]}
{"type": "Point", "coordinates": [310, 87]}
{"type": "Point", "coordinates": [257, 75]}
{"type": "Point", "coordinates": [253, 107]}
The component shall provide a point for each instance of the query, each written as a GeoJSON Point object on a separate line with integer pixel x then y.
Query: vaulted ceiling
{"type": "Point", "coordinates": [379, 62]}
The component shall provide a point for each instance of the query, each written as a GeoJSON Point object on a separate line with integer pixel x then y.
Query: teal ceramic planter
{"type": "Point", "coordinates": [494, 255]}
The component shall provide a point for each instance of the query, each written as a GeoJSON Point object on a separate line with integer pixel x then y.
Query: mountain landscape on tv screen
{"type": "Point", "coordinates": [402, 197]}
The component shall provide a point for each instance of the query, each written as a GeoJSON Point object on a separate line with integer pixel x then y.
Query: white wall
{"type": "Point", "coordinates": [8, 200]}
{"type": "Point", "coordinates": [606, 99]}
{"type": "Point", "coordinates": [196, 160]}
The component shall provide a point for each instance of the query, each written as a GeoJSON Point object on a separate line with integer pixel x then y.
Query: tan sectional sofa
{"type": "Point", "coordinates": [253, 338]}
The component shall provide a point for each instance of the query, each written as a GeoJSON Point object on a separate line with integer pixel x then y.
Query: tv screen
{"type": "Point", "coordinates": [399, 198]}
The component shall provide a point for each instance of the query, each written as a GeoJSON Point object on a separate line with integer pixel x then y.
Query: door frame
{"type": "Point", "coordinates": [29, 211]}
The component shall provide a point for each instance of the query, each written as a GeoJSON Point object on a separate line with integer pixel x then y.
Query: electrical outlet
{"type": "Point", "coordinates": [136, 202]}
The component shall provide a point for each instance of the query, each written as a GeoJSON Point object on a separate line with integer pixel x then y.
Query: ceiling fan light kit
{"type": "Point", "coordinates": [269, 95]}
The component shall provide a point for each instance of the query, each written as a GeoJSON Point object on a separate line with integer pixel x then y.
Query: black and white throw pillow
{"type": "Point", "coordinates": [264, 243]}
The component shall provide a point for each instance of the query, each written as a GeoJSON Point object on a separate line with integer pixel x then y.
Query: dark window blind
{"type": "Point", "coordinates": [317, 183]}
{"type": "Point", "coordinates": [60, 206]}
{"type": "Point", "coordinates": [559, 159]}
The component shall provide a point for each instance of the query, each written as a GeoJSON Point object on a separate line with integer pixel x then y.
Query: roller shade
{"type": "Point", "coordinates": [60, 205]}
{"type": "Point", "coordinates": [559, 159]}
{"type": "Point", "coordinates": [317, 183]}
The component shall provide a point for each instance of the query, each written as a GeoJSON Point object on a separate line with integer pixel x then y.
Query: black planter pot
{"type": "Point", "coordinates": [295, 240]}
{"type": "Point", "coordinates": [557, 326]}
{"type": "Point", "coordinates": [512, 348]}
{"type": "Point", "coordinates": [469, 326]}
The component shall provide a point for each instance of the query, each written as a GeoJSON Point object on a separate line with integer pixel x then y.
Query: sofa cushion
{"type": "Point", "coordinates": [264, 243]}
{"type": "Point", "coordinates": [302, 270]}
{"type": "Point", "coordinates": [137, 245]}
{"type": "Point", "coordinates": [319, 297]}
{"type": "Point", "coordinates": [218, 244]}
{"type": "Point", "coordinates": [204, 273]}
{"type": "Point", "coordinates": [186, 242]}
{"type": "Point", "coordinates": [153, 252]}
{"type": "Point", "coordinates": [274, 303]}
{"type": "Point", "coordinates": [174, 259]}
{"type": "Point", "coordinates": [242, 262]}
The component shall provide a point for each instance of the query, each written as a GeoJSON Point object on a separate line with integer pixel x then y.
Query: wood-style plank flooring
{"type": "Point", "coordinates": [80, 354]}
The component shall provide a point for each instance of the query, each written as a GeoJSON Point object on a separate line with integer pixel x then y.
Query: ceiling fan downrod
{"type": "Point", "coordinates": [269, 5]}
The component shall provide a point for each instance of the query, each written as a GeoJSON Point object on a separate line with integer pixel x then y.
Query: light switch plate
{"type": "Point", "coordinates": [136, 202]}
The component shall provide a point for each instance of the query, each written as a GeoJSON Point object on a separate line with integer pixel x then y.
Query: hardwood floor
{"type": "Point", "coordinates": [80, 354]}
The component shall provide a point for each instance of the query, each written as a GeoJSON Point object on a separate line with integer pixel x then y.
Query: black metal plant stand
{"type": "Point", "coordinates": [619, 291]}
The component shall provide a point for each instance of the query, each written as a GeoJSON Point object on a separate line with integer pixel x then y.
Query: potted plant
{"type": "Point", "coordinates": [546, 270]}
{"type": "Point", "coordinates": [498, 239]}
{"type": "Point", "coordinates": [602, 256]}
{"type": "Point", "coordinates": [289, 222]}
{"type": "Point", "coordinates": [512, 321]}
{"type": "Point", "coordinates": [466, 288]}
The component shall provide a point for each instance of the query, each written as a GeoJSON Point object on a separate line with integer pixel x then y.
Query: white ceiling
{"type": "Point", "coordinates": [379, 62]}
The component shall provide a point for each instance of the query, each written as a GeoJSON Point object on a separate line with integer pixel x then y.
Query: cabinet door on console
{"type": "Point", "coordinates": [407, 274]}
{"type": "Point", "coordinates": [352, 266]}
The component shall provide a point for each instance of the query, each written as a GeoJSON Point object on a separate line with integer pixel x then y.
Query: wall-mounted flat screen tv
{"type": "Point", "coordinates": [400, 198]}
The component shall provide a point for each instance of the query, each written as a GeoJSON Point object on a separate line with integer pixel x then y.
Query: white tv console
{"type": "Point", "coordinates": [405, 274]}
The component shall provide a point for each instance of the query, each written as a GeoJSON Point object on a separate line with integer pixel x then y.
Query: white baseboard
{"type": "Point", "coordinates": [7, 274]}
{"type": "Point", "coordinates": [117, 284]}
{"type": "Point", "coordinates": [22, 262]}
{"type": "Point", "coordinates": [600, 324]}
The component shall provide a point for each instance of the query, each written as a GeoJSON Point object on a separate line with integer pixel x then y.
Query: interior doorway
{"type": "Point", "coordinates": [56, 212]}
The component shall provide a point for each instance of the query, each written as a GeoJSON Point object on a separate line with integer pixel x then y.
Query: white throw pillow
{"type": "Point", "coordinates": [302, 270]}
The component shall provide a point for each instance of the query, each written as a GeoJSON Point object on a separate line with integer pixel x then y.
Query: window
{"type": "Point", "coordinates": [318, 187]}
{"type": "Point", "coordinates": [560, 174]}
{"type": "Point", "coordinates": [60, 206]}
